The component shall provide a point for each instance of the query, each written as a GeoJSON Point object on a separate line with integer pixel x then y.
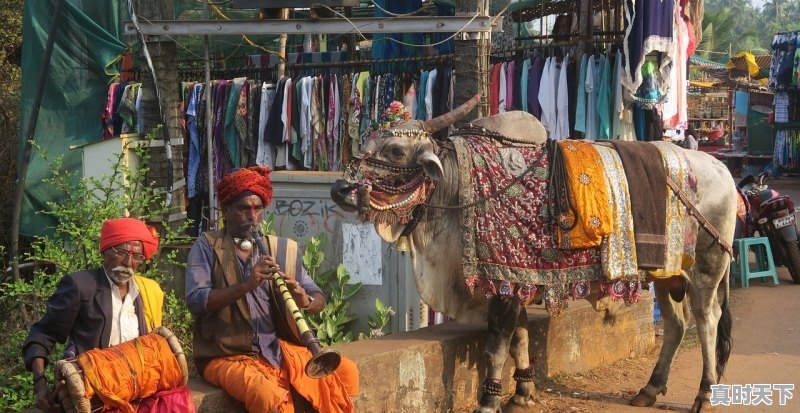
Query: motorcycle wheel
{"type": "Point", "coordinates": [791, 255]}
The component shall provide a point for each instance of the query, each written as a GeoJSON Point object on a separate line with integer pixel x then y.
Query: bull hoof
{"type": "Point", "coordinates": [643, 400]}
{"type": "Point", "coordinates": [701, 405]}
{"type": "Point", "coordinates": [486, 410]}
{"type": "Point", "coordinates": [518, 405]}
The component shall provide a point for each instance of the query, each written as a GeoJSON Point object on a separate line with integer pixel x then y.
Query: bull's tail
{"type": "Point", "coordinates": [724, 340]}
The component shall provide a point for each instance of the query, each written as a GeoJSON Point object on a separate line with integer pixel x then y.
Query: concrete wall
{"type": "Point", "coordinates": [441, 368]}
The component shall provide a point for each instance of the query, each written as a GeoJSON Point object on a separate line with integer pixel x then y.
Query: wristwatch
{"type": "Point", "coordinates": [310, 300]}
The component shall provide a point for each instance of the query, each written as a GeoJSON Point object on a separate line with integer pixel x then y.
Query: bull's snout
{"type": "Point", "coordinates": [344, 194]}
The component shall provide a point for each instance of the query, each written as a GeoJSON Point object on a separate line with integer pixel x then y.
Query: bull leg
{"type": "Point", "coordinates": [523, 375]}
{"type": "Point", "coordinates": [674, 329]}
{"type": "Point", "coordinates": [707, 313]}
{"type": "Point", "coordinates": [502, 320]}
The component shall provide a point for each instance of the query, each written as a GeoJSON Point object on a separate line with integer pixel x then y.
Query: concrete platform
{"type": "Point", "coordinates": [441, 368]}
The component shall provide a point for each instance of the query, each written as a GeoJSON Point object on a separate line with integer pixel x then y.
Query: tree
{"type": "Point", "coordinates": [10, 74]}
{"type": "Point", "coordinates": [722, 31]}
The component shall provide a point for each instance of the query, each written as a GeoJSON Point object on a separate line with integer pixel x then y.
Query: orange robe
{"type": "Point", "coordinates": [263, 388]}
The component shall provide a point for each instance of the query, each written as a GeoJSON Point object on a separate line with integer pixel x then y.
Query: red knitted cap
{"type": "Point", "coordinates": [254, 179]}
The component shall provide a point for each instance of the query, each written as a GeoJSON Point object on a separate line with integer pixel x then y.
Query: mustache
{"type": "Point", "coordinates": [123, 270]}
{"type": "Point", "coordinates": [249, 226]}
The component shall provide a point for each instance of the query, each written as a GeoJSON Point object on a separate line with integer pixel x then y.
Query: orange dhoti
{"type": "Point", "coordinates": [263, 388]}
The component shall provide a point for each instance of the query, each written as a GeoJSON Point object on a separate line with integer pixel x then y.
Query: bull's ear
{"type": "Point", "coordinates": [431, 164]}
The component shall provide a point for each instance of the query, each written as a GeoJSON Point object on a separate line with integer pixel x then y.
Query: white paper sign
{"type": "Point", "coordinates": [361, 253]}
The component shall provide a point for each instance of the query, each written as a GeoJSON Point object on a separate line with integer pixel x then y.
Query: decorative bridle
{"type": "Point", "coordinates": [391, 193]}
{"type": "Point", "coordinates": [388, 192]}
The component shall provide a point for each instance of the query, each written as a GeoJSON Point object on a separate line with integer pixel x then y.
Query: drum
{"type": "Point", "coordinates": [73, 379]}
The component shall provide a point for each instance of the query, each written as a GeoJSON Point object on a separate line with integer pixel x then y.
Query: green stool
{"type": "Point", "coordinates": [765, 265]}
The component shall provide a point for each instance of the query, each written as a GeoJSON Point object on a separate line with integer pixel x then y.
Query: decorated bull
{"type": "Point", "coordinates": [490, 214]}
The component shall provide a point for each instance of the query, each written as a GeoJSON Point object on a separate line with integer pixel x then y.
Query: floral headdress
{"type": "Point", "coordinates": [396, 112]}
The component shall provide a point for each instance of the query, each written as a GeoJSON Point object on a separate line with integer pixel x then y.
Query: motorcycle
{"type": "Point", "coordinates": [771, 215]}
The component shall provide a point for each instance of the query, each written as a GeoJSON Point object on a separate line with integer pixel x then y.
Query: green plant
{"type": "Point", "coordinates": [378, 320]}
{"type": "Point", "coordinates": [331, 324]}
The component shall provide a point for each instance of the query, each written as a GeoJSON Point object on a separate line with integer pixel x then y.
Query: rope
{"type": "Point", "coordinates": [558, 190]}
{"type": "Point", "coordinates": [694, 212]}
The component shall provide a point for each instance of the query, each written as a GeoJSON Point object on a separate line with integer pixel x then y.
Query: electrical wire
{"type": "Point", "coordinates": [164, 128]}
{"type": "Point", "coordinates": [247, 39]}
{"type": "Point", "coordinates": [399, 41]}
{"type": "Point", "coordinates": [377, 6]}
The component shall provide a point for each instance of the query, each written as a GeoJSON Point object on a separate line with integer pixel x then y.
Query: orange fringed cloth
{"type": "Point", "coordinates": [264, 388]}
{"type": "Point", "coordinates": [130, 371]}
{"type": "Point", "coordinates": [588, 193]}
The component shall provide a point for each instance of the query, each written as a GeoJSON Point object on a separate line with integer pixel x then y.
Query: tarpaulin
{"type": "Point", "coordinates": [87, 44]}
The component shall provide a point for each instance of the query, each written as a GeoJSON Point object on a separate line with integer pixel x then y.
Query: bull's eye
{"type": "Point", "coordinates": [396, 152]}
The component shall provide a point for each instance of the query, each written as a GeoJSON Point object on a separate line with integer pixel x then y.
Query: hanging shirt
{"type": "Point", "coordinates": [562, 101]}
{"type": "Point", "coordinates": [523, 84]}
{"type": "Point", "coordinates": [618, 105]}
{"type": "Point", "coordinates": [502, 90]}
{"type": "Point", "coordinates": [546, 97]}
{"type": "Point", "coordinates": [534, 80]}
{"type": "Point", "coordinates": [604, 101]}
{"type": "Point", "coordinates": [429, 94]}
{"type": "Point", "coordinates": [494, 90]}
{"type": "Point", "coordinates": [510, 85]}
{"type": "Point", "coordinates": [580, 110]}
{"type": "Point", "coordinates": [265, 155]}
{"type": "Point", "coordinates": [592, 75]}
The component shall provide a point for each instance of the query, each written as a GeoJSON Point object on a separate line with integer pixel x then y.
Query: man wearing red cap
{"type": "Point", "coordinates": [101, 307]}
{"type": "Point", "coordinates": [241, 339]}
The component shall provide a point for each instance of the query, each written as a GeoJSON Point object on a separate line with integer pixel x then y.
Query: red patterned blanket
{"type": "Point", "coordinates": [509, 243]}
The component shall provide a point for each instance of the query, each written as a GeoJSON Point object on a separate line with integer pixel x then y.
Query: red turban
{"type": "Point", "coordinates": [121, 230]}
{"type": "Point", "coordinates": [254, 179]}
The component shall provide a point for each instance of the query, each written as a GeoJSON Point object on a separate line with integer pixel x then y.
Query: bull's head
{"type": "Point", "coordinates": [397, 157]}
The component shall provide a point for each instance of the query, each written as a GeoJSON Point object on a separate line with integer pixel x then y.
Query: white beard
{"type": "Point", "coordinates": [121, 274]}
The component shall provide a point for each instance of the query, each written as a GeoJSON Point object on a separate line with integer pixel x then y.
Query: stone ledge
{"type": "Point", "coordinates": [441, 368]}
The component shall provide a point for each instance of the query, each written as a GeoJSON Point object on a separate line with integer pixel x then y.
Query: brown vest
{"type": "Point", "coordinates": [229, 331]}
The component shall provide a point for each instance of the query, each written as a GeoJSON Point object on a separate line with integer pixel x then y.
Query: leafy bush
{"type": "Point", "coordinates": [331, 324]}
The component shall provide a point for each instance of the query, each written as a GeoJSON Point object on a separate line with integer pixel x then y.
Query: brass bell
{"type": "Point", "coordinates": [402, 244]}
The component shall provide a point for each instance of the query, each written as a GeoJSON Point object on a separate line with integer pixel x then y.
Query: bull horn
{"type": "Point", "coordinates": [440, 122]}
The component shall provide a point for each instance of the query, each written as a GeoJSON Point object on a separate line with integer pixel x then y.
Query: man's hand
{"type": "Point", "coordinates": [262, 271]}
{"type": "Point", "coordinates": [45, 399]}
{"type": "Point", "coordinates": [298, 292]}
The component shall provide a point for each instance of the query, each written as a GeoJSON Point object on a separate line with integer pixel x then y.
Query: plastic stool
{"type": "Point", "coordinates": [765, 265]}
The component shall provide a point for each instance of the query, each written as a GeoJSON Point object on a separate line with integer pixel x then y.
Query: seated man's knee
{"type": "Point", "coordinates": [348, 373]}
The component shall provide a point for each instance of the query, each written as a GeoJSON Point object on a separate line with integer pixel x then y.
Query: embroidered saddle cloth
{"type": "Point", "coordinates": [509, 240]}
{"type": "Point", "coordinates": [509, 237]}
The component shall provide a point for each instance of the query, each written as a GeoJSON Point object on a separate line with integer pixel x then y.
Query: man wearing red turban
{"type": "Point", "coordinates": [100, 307]}
{"type": "Point", "coordinates": [242, 340]}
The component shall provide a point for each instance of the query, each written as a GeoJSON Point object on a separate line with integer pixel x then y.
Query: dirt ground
{"type": "Point", "coordinates": [766, 349]}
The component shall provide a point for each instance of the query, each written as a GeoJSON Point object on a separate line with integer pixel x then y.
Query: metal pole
{"type": "Point", "coordinates": [26, 154]}
{"type": "Point", "coordinates": [212, 213]}
{"type": "Point", "coordinates": [281, 67]}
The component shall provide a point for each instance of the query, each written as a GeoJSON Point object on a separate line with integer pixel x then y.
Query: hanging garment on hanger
{"type": "Point", "coordinates": [562, 101]}
{"type": "Point", "coordinates": [604, 99]}
{"type": "Point", "coordinates": [523, 84]}
{"type": "Point", "coordinates": [580, 111]}
{"type": "Point", "coordinates": [494, 89]}
{"type": "Point", "coordinates": [503, 88]}
{"type": "Point", "coordinates": [265, 155]}
{"type": "Point", "coordinates": [534, 82]}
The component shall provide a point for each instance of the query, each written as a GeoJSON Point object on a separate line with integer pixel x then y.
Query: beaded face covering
{"type": "Point", "coordinates": [387, 192]}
